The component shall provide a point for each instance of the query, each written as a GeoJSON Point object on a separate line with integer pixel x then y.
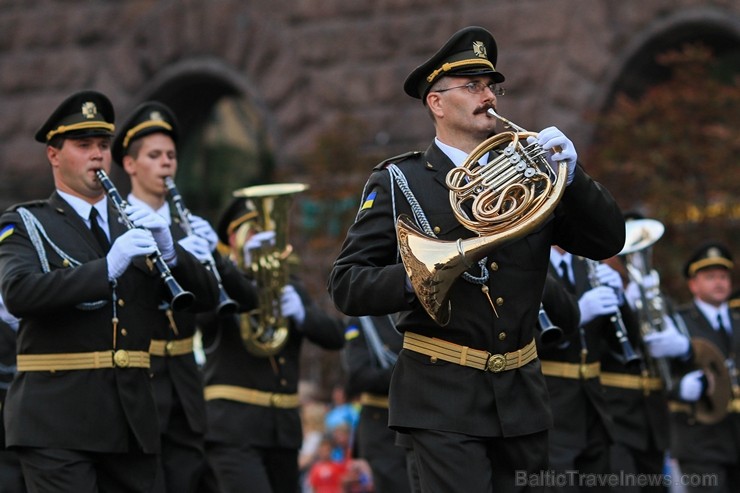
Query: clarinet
{"type": "Point", "coordinates": [549, 332]}
{"type": "Point", "coordinates": [226, 305]}
{"type": "Point", "coordinates": [628, 352]}
{"type": "Point", "coordinates": [181, 299]}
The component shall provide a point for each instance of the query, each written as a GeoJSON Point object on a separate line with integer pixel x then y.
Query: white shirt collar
{"type": "Point", "coordinates": [711, 312]}
{"type": "Point", "coordinates": [556, 257]}
{"type": "Point", "coordinates": [163, 211]}
{"type": "Point", "coordinates": [456, 155]}
{"type": "Point", "coordinates": [83, 208]}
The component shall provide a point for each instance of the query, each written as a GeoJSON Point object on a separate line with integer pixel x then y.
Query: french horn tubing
{"type": "Point", "coordinates": [508, 197]}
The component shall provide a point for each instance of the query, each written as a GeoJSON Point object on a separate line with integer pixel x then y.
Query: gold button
{"type": "Point", "coordinates": [432, 359]}
{"type": "Point", "coordinates": [124, 332]}
{"type": "Point", "coordinates": [65, 263]}
{"type": "Point", "coordinates": [494, 266]}
{"type": "Point", "coordinates": [281, 360]}
{"type": "Point", "coordinates": [120, 358]}
{"type": "Point", "coordinates": [437, 229]}
{"type": "Point", "coordinates": [501, 336]}
{"type": "Point", "coordinates": [283, 382]}
{"type": "Point", "coordinates": [121, 302]}
{"type": "Point", "coordinates": [499, 301]}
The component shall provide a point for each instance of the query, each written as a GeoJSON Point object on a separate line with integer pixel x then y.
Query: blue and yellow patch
{"type": "Point", "coordinates": [7, 231]}
{"type": "Point", "coordinates": [369, 201]}
{"type": "Point", "coordinates": [352, 332]}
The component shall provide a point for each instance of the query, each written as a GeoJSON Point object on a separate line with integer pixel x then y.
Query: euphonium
{"type": "Point", "coordinates": [264, 330]}
{"type": "Point", "coordinates": [510, 196]}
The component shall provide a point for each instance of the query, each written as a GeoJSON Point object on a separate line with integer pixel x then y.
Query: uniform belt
{"type": "Point", "coordinates": [120, 358]}
{"type": "Point", "coordinates": [465, 356]}
{"type": "Point", "coordinates": [251, 396]}
{"type": "Point", "coordinates": [681, 407]}
{"type": "Point", "coordinates": [375, 400]}
{"type": "Point", "coordinates": [634, 382]}
{"type": "Point", "coordinates": [577, 371]}
{"type": "Point", "coordinates": [176, 347]}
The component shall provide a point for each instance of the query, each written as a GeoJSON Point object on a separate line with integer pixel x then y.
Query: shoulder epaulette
{"type": "Point", "coordinates": [396, 159]}
{"type": "Point", "coordinates": [27, 205]}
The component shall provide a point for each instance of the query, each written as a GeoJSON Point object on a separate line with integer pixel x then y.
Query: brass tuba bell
{"type": "Point", "coordinates": [264, 330]}
{"type": "Point", "coordinates": [509, 197]}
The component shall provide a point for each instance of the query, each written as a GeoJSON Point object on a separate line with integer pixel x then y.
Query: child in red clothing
{"type": "Point", "coordinates": [325, 475]}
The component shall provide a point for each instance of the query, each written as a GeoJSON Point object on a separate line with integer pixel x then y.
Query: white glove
{"type": "Point", "coordinates": [144, 218]}
{"type": "Point", "coordinates": [197, 246]}
{"type": "Point", "coordinates": [667, 343]}
{"type": "Point", "coordinates": [691, 387]}
{"type": "Point", "coordinates": [291, 305]}
{"type": "Point", "coordinates": [258, 240]}
{"type": "Point", "coordinates": [132, 243]}
{"type": "Point", "coordinates": [596, 302]}
{"type": "Point", "coordinates": [551, 137]}
{"type": "Point", "coordinates": [202, 228]}
{"type": "Point", "coordinates": [607, 276]}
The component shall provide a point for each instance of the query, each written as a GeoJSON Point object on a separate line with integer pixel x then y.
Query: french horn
{"type": "Point", "coordinates": [508, 198]}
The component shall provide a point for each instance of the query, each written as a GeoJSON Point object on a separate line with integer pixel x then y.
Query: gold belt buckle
{"type": "Point", "coordinates": [121, 358]}
{"type": "Point", "coordinates": [496, 363]}
{"type": "Point", "coordinates": [168, 347]}
{"type": "Point", "coordinates": [275, 399]}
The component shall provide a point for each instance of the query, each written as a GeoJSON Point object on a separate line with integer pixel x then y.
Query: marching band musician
{"type": "Point", "coordinates": [146, 147]}
{"type": "Point", "coordinates": [80, 411]}
{"type": "Point", "coordinates": [637, 395]}
{"type": "Point", "coordinates": [711, 450]}
{"type": "Point", "coordinates": [583, 429]}
{"type": "Point", "coordinates": [254, 428]}
{"type": "Point", "coordinates": [370, 352]}
{"type": "Point", "coordinates": [474, 426]}
{"type": "Point", "coordinates": [11, 475]}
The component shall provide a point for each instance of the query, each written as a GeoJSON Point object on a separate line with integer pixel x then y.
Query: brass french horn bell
{"type": "Point", "coordinates": [509, 197]}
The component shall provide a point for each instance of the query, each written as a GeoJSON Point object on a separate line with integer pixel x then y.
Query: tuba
{"type": "Point", "coordinates": [264, 330]}
{"type": "Point", "coordinates": [509, 197]}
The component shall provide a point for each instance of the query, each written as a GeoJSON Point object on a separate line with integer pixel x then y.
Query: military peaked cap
{"type": "Point", "coordinates": [470, 51]}
{"type": "Point", "coordinates": [148, 118]}
{"type": "Point", "coordinates": [710, 254]}
{"type": "Point", "coordinates": [83, 114]}
{"type": "Point", "coordinates": [239, 211]}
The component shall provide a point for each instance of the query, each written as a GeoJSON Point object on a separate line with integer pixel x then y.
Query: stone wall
{"type": "Point", "coordinates": [305, 62]}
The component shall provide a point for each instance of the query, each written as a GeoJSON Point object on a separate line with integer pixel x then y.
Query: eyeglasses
{"type": "Point", "coordinates": [477, 87]}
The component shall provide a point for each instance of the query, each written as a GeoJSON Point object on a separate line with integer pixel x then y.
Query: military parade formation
{"type": "Point", "coordinates": [502, 328]}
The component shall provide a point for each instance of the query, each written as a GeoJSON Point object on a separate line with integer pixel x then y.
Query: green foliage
{"type": "Point", "coordinates": [672, 156]}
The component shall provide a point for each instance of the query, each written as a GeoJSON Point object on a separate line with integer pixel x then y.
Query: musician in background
{"type": "Point", "coordinates": [370, 352]}
{"type": "Point", "coordinates": [146, 147]}
{"type": "Point", "coordinates": [470, 394]}
{"type": "Point", "coordinates": [254, 426]}
{"type": "Point", "coordinates": [637, 395]}
{"type": "Point", "coordinates": [583, 430]}
{"type": "Point", "coordinates": [701, 448]}
{"type": "Point", "coordinates": [80, 412]}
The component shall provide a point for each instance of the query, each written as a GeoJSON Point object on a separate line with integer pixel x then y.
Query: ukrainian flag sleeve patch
{"type": "Point", "coordinates": [7, 231]}
{"type": "Point", "coordinates": [351, 332]}
{"type": "Point", "coordinates": [368, 203]}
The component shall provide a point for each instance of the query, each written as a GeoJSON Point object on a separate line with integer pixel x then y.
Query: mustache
{"type": "Point", "coordinates": [483, 109]}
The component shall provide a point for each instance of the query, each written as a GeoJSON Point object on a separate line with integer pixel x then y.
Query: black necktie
{"type": "Point", "coordinates": [724, 334]}
{"type": "Point", "coordinates": [97, 231]}
{"type": "Point", "coordinates": [566, 276]}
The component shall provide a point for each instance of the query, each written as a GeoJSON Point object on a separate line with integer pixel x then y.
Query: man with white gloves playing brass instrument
{"type": "Point", "coordinates": [251, 377]}
{"type": "Point", "coordinates": [468, 390]}
{"type": "Point", "coordinates": [705, 438]}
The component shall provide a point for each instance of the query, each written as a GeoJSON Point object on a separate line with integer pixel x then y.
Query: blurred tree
{"type": "Point", "coordinates": [672, 155]}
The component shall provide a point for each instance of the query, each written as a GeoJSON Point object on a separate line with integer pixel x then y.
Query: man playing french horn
{"type": "Point", "coordinates": [467, 387]}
